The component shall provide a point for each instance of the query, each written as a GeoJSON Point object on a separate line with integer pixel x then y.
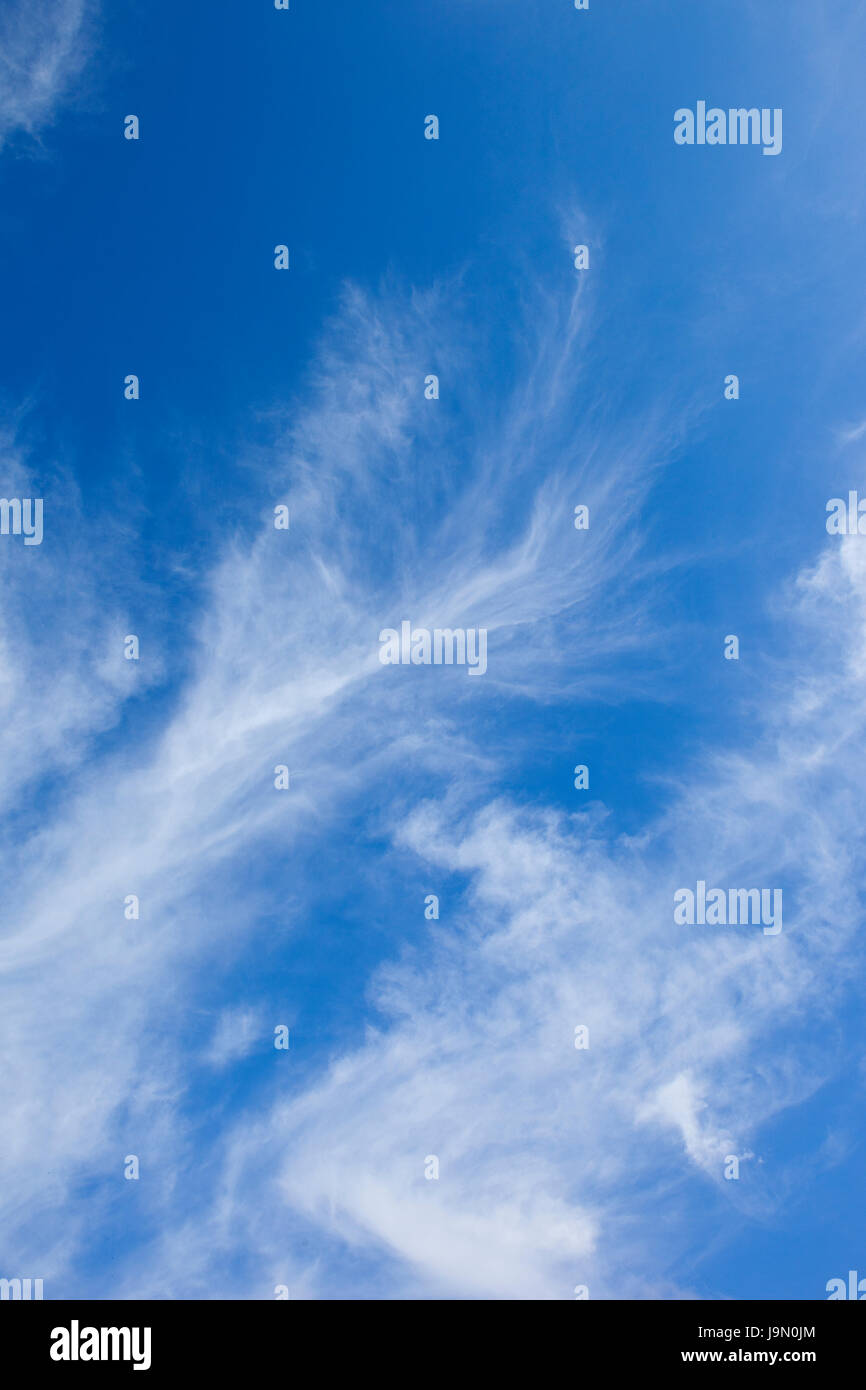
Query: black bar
{"type": "Point", "coordinates": [222, 1339]}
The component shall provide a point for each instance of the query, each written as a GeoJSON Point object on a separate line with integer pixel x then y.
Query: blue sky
{"type": "Point", "coordinates": [410, 1037]}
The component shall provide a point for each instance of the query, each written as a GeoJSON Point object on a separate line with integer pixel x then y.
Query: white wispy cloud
{"type": "Point", "coordinates": [285, 669]}
{"type": "Point", "coordinates": [557, 1164]}
{"type": "Point", "coordinates": [238, 1032]}
{"type": "Point", "coordinates": [551, 1159]}
{"type": "Point", "coordinates": [43, 49]}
